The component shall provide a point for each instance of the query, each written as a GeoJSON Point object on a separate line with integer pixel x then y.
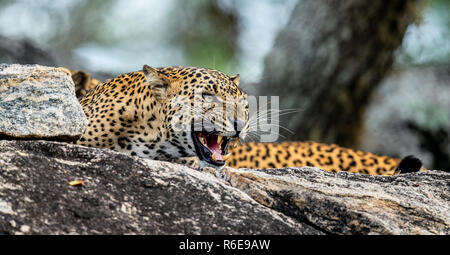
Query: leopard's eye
{"type": "Point", "coordinates": [210, 98]}
{"type": "Point", "coordinates": [207, 94]}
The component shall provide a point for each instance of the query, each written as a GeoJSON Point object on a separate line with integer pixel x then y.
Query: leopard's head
{"type": "Point", "coordinates": [202, 111]}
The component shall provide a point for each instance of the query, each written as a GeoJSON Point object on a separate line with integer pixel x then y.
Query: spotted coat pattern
{"type": "Point", "coordinates": [329, 157]}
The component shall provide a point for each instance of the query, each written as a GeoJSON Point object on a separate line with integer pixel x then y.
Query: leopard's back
{"type": "Point", "coordinates": [329, 157]}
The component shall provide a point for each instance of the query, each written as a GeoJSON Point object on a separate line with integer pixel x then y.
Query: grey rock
{"type": "Point", "coordinates": [121, 194]}
{"type": "Point", "coordinates": [39, 102]}
{"type": "Point", "coordinates": [346, 203]}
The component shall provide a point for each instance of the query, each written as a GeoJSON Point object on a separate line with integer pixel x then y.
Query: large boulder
{"type": "Point", "coordinates": [124, 194]}
{"type": "Point", "coordinates": [121, 195]}
{"type": "Point", "coordinates": [347, 203]}
{"type": "Point", "coordinates": [38, 102]}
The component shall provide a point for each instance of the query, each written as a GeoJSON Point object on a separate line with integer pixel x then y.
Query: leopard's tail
{"type": "Point", "coordinates": [409, 164]}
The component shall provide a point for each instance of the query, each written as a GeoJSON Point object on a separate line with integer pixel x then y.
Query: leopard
{"type": "Point", "coordinates": [152, 113]}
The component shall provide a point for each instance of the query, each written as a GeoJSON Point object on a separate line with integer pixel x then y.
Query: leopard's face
{"type": "Point", "coordinates": [203, 111]}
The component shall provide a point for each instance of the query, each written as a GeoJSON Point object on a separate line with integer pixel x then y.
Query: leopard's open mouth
{"type": "Point", "coordinates": [211, 147]}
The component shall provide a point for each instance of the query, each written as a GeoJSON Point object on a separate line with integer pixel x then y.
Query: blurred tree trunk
{"type": "Point", "coordinates": [327, 61]}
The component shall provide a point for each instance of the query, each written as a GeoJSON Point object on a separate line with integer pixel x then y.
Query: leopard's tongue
{"type": "Point", "coordinates": [214, 147]}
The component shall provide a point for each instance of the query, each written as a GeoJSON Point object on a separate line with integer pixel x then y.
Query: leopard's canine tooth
{"type": "Point", "coordinates": [225, 157]}
{"type": "Point", "coordinates": [201, 138]}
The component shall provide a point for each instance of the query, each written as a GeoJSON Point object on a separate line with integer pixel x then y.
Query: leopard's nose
{"type": "Point", "coordinates": [238, 127]}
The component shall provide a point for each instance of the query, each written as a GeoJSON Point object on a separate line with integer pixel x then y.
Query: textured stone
{"type": "Point", "coordinates": [121, 194]}
{"type": "Point", "coordinates": [346, 203]}
{"type": "Point", "coordinates": [39, 102]}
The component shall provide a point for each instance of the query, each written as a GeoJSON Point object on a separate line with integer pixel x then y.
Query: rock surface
{"type": "Point", "coordinates": [39, 102]}
{"type": "Point", "coordinates": [128, 195]}
{"type": "Point", "coordinates": [346, 203]}
{"type": "Point", "coordinates": [121, 195]}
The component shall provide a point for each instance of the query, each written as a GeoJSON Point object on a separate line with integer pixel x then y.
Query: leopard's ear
{"type": "Point", "coordinates": [235, 79]}
{"type": "Point", "coordinates": [150, 74]}
{"type": "Point", "coordinates": [157, 84]}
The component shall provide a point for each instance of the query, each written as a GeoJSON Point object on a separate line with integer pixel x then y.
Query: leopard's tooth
{"type": "Point", "coordinates": [201, 139]}
{"type": "Point", "coordinates": [219, 139]}
{"type": "Point", "coordinates": [214, 157]}
{"type": "Point", "coordinates": [225, 157]}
